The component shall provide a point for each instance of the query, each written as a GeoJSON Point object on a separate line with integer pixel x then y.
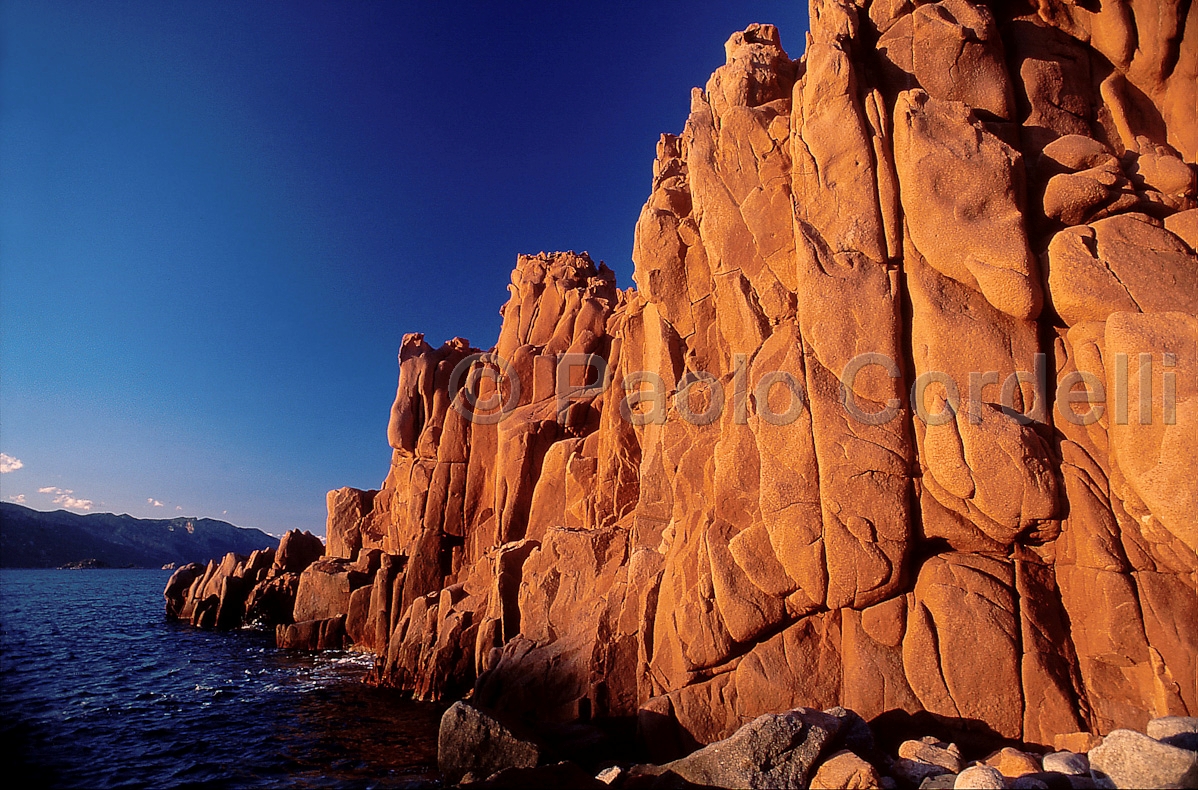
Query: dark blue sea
{"type": "Point", "coordinates": [98, 690]}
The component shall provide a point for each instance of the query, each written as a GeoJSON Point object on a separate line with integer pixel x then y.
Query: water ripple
{"type": "Point", "coordinates": [98, 690]}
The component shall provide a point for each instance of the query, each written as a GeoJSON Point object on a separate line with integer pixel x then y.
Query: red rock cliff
{"type": "Point", "coordinates": [872, 285]}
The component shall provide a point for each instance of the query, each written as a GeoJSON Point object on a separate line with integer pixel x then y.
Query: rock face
{"type": "Point", "coordinates": [835, 447]}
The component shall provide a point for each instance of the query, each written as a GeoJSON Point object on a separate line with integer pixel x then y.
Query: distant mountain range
{"type": "Point", "coordinates": [33, 539]}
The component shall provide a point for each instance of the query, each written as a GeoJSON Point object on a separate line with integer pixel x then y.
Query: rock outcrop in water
{"type": "Point", "coordinates": [900, 415]}
{"type": "Point", "coordinates": [259, 589]}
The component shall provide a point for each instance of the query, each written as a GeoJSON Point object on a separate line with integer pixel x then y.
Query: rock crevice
{"type": "Point", "coordinates": [833, 448]}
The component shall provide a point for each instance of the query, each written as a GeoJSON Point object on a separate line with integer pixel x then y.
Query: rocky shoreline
{"type": "Point", "coordinates": [292, 589]}
{"type": "Point", "coordinates": [898, 419]}
{"type": "Point", "coordinates": [826, 750]}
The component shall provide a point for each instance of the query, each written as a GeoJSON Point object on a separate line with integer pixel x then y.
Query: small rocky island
{"type": "Point", "coordinates": [883, 474]}
{"type": "Point", "coordinates": [89, 564]}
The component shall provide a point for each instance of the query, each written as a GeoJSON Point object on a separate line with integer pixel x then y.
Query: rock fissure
{"type": "Point", "coordinates": [572, 556]}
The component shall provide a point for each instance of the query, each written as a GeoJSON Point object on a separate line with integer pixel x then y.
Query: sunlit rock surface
{"type": "Point", "coordinates": [993, 199]}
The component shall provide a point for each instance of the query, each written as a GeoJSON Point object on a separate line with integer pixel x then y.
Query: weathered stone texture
{"type": "Point", "coordinates": [985, 194]}
{"type": "Point", "coordinates": [997, 202]}
{"type": "Point", "coordinates": [258, 589]}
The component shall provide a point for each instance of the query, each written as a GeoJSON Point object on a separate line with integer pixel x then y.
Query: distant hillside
{"type": "Point", "coordinates": [33, 539]}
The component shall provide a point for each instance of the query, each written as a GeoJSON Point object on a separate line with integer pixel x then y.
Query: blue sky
{"type": "Point", "coordinates": [218, 219]}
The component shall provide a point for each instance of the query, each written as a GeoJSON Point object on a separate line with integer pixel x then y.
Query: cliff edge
{"type": "Point", "coordinates": [900, 415]}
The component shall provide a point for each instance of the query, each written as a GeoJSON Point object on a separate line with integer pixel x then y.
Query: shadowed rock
{"type": "Point", "coordinates": [474, 744]}
{"type": "Point", "coordinates": [773, 750]}
{"type": "Point", "coordinates": [860, 468]}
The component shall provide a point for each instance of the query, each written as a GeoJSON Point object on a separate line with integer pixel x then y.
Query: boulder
{"type": "Point", "coordinates": [325, 588]}
{"type": "Point", "coordinates": [962, 181]}
{"type": "Point", "coordinates": [953, 50]}
{"type": "Point", "coordinates": [1030, 782]}
{"type": "Point", "coordinates": [610, 775]}
{"type": "Point", "coordinates": [297, 550]}
{"type": "Point", "coordinates": [1164, 173]}
{"type": "Point", "coordinates": [359, 613]}
{"type": "Point", "coordinates": [933, 752]}
{"type": "Point", "coordinates": [1073, 152]}
{"type": "Point", "coordinates": [474, 744]}
{"type": "Point", "coordinates": [1068, 763]}
{"type": "Point", "coordinates": [230, 611]}
{"type": "Point", "coordinates": [915, 773]}
{"type": "Point", "coordinates": [979, 777]}
{"type": "Point", "coordinates": [1179, 731]}
{"type": "Point", "coordinates": [773, 750]}
{"type": "Point", "coordinates": [177, 588]}
{"type": "Point", "coordinates": [1013, 763]}
{"type": "Point", "coordinates": [1075, 197]}
{"type": "Point", "coordinates": [938, 782]}
{"type": "Point", "coordinates": [1121, 263]}
{"type": "Point", "coordinates": [844, 769]}
{"type": "Point", "coordinates": [1128, 759]}
{"type": "Point", "coordinates": [272, 601]}
{"type": "Point", "coordinates": [1184, 225]}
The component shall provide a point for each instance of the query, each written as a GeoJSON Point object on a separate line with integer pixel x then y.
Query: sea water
{"type": "Point", "coordinates": [98, 689]}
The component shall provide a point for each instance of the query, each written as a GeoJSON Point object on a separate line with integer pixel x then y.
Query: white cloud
{"type": "Point", "coordinates": [71, 503]}
{"type": "Point", "coordinates": [224, 512]}
{"type": "Point", "coordinates": [62, 496]}
{"type": "Point", "coordinates": [179, 508]}
{"type": "Point", "coordinates": [9, 464]}
{"type": "Point", "coordinates": [154, 502]}
{"type": "Point", "coordinates": [19, 499]}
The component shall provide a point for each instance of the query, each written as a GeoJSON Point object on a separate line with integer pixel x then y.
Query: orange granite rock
{"type": "Point", "coordinates": [899, 414]}
{"type": "Point", "coordinates": [772, 520]}
{"type": "Point", "coordinates": [258, 589]}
